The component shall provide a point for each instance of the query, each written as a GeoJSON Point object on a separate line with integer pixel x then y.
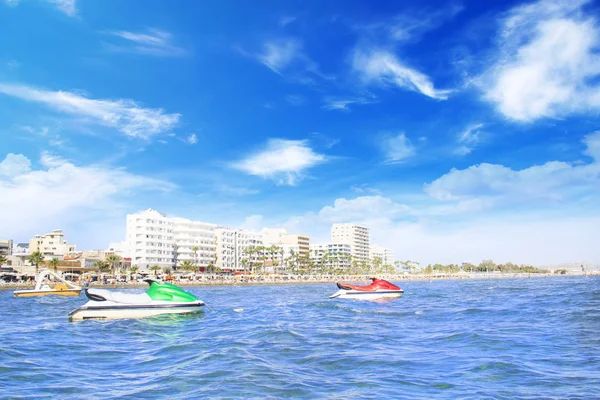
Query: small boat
{"type": "Point", "coordinates": [43, 288]}
{"type": "Point", "coordinates": [160, 298]}
{"type": "Point", "coordinates": [378, 289]}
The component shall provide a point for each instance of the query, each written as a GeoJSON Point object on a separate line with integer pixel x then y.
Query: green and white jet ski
{"type": "Point", "coordinates": [160, 298]}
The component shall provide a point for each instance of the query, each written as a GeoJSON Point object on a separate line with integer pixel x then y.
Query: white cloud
{"type": "Point", "coordinates": [253, 223]}
{"type": "Point", "coordinates": [384, 68]}
{"type": "Point", "coordinates": [338, 103]}
{"type": "Point", "coordinates": [497, 185]}
{"type": "Point", "coordinates": [153, 42]}
{"type": "Point", "coordinates": [12, 3]}
{"type": "Point", "coordinates": [397, 148]}
{"type": "Point", "coordinates": [278, 54]}
{"type": "Point", "coordinates": [286, 20]}
{"type": "Point", "coordinates": [71, 194]}
{"type": "Point", "coordinates": [282, 160]}
{"type": "Point", "coordinates": [547, 63]}
{"type": "Point", "coordinates": [124, 115]}
{"type": "Point", "coordinates": [468, 139]}
{"type": "Point", "coordinates": [66, 6]}
{"type": "Point", "coordinates": [411, 26]}
{"type": "Point", "coordinates": [295, 100]}
{"type": "Point", "coordinates": [192, 139]}
{"type": "Point", "coordinates": [14, 165]}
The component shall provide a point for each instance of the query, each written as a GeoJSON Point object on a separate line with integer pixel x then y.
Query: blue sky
{"type": "Point", "coordinates": [457, 131]}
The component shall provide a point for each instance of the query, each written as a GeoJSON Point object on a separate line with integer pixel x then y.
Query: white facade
{"type": "Point", "coordinates": [51, 244]}
{"type": "Point", "coordinates": [386, 255]}
{"type": "Point", "coordinates": [118, 248]}
{"type": "Point", "coordinates": [356, 236]}
{"type": "Point", "coordinates": [232, 248]}
{"type": "Point", "coordinates": [334, 254]}
{"type": "Point", "coordinates": [153, 238]}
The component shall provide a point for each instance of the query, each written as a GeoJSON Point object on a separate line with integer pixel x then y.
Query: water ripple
{"type": "Point", "coordinates": [526, 338]}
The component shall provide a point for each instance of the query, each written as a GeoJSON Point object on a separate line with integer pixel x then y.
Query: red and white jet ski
{"type": "Point", "coordinates": [378, 289]}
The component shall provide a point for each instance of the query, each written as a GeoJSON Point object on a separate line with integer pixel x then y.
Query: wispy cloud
{"type": "Point", "coordinates": [344, 103]}
{"type": "Point", "coordinates": [286, 20]}
{"type": "Point", "coordinates": [66, 6]}
{"type": "Point", "coordinates": [278, 54]}
{"type": "Point", "coordinates": [192, 139]}
{"type": "Point", "coordinates": [284, 161]}
{"type": "Point", "coordinates": [154, 42]}
{"type": "Point", "coordinates": [397, 148]}
{"type": "Point", "coordinates": [295, 100]}
{"type": "Point", "coordinates": [126, 116]}
{"type": "Point", "coordinates": [286, 57]}
{"type": "Point", "coordinates": [468, 139]}
{"type": "Point", "coordinates": [408, 26]}
{"type": "Point", "coordinates": [547, 62]}
{"type": "Point", "coordinates": [384, 68]}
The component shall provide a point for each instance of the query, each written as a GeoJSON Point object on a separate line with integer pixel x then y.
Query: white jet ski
{"type": "Point", "coordinates": [378, 289]}
{"type": "Point", "coordinates": [160, 298]}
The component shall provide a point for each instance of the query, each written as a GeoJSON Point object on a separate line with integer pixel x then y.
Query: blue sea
{"type": "Point", "coordinates": [505, 339]}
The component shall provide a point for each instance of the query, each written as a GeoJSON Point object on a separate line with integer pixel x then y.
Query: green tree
{"type": "Point", "coordinates": [195, 250]}
{"type": "Point", "coordinates": [155, 268]}
{"type": "Point", "coordinates": [102, 266]}
{"type": "Point", "coordinates": [3, 259]}
{"type": "Point", "coordinates": [187, 265]}
{"type": "Point", "coordinates": [113, 260]}
{"type": "Point", "coordinates": [36, 258]}
{"type": "Point", "coordinates": [54, 263]}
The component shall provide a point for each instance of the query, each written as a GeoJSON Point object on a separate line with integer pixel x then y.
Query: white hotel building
{"type": "Point", "coordinates": [386, 255]}
{"type": "Point", "coordinates": [356, 236]}
{"type": "Point", "coordinates": [152, 238]}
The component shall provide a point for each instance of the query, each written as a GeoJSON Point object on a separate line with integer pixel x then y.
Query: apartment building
{"type": "Point", "coordinates": [51, 244]}
{"type": "Point", "coordinates": [232, 248]}
{"type": "Point", "coordinates": [386, 255]}
{"type": "Point", "coordinates": [6, 247]}
{"type": "Point", "coordinates": [331, 255]}
{"type": "Point", "coordinates": [153, 238]}
{"type": "Point", "coordinates": [356, 236]}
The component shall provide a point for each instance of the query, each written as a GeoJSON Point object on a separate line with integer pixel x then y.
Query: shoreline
{"type": "Point", "coordinates": [304, 280]}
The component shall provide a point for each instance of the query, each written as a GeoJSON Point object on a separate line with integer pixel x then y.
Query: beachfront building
{"type": "Point", "coordinates": [149, 237]}
{"type": "Point", "coordinates": [118, 248]}
{"type": "Point", "coordinates": [6, 246]}
{"type": "Point", "coordinates": [51, 244]}
{"type": "Point", "coordinates": [235, 248]}
{"type": "Point", "coordinates": [153, 238]}
{"type": "Point", "coordinates": [331, 255]}
{"type": "Point", "coordinates": [356, 236]}
{"type": "Point", "coordinates": [294, 248]}
{"type": "Point", "coordinates": [386, 255]}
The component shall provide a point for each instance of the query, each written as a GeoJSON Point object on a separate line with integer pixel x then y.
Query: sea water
{"type": "Point", "coordinates": [505, 338]}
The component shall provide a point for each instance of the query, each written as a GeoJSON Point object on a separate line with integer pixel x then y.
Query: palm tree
{"type": "Point", "coordinates": [113, 259]}
{"type": "Point", "coordinates": [134, 270]}
{"type": "Point", "coordinates": [195, 250]}
{"type": "Point", "coordinates": [244, 263]}
{"type": "Point", "coordinates": [102, 266]}
{"type": "Point", "coordinates": [36, 258]}
{"type": "Point", "coordinates": [3, 259]}
{"type": "Point", "coordinates": [54, 263]}
{"type": "Point", "coordinates": [155, 268]}
{"type": "Point", "coordinates": [187, 265]}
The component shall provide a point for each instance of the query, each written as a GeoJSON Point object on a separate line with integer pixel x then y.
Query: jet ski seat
{"type": "Point", "coordinates": [117, 297]}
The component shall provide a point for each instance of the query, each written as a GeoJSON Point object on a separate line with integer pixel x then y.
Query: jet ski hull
{"type": "Point", "coordinates": [363, 295]}
{"type": "Point", "coordinates": [112, 310]}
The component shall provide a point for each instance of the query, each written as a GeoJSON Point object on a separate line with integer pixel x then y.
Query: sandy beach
{"type": "Point", "coordinates": [215, 280]}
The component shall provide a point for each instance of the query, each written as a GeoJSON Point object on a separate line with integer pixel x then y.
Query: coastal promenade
{"type": "Point", "coordinates": [220, 280]}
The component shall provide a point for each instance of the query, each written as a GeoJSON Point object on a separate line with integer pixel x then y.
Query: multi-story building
{"type": "Point", "coordinates": [291, 244]}
{"type": "Point", "coordinates": [234, 248]}
{"type": "Point", "coordinates": [337, 255]}
{"type": "Point", "coordinates": [356, 236]}
{"type": "Point", "coordinates": [386, 255]}
{"type": "Point", "coordinates": [51, 244]}
{"type": "Point", "coordinates": [6, 246]}
{"type": "Point", "coordinates": [149, 237]}
{"type": "Point", "coordinates": [153, 238]}
{"type": "Point", "coordinates": [195, 241]}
